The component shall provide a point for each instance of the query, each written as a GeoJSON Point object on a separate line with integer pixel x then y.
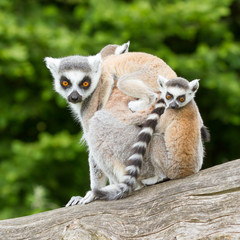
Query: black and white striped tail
{"type": "Point", "coordinates": [121, 190]}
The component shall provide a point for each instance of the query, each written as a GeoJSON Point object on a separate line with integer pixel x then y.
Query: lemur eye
{"type": "Point", "coordinates": [169, 97]}
{"type": "Point", "coordinates": [181, 98]}
{"type": "Point", "coordinates": [85, 84]}
{"type": "Point", "coordinates": [65, 83]}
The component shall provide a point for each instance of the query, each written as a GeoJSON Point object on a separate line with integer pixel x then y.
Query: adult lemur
{"type": "Point", "coordinates": [110, 128]}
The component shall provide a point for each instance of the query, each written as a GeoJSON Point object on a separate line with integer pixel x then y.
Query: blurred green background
{"type": "Point", "coordinates": [42, 163]}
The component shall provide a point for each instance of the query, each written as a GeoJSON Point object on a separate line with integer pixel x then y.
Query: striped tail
{"type": "Point", "coordinates": [128, 183]}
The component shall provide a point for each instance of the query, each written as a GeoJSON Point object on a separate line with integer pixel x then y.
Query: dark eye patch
{"type": "Point", "coordinates": [170, 95]}
{"type": "Point", "coordinates": [85, 83]}
{"type": "Point", "coordinates": [65, 82]}
{"type": "Point", "coordinates": [181, 98]}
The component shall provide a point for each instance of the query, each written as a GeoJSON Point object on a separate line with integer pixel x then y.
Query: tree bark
{"type": "Point", "coordinates": [202, 206]}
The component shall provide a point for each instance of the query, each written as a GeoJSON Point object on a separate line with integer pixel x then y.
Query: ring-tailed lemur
{"type": "Point", "coordinates": [110, 128]}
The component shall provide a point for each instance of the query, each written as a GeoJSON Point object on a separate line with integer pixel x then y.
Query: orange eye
{"type": "Point", "coordinates": [65, 83]}
{"type": "Point", "coordinates": [169, 97]}
{"type": "Point", "coordinates": [182, 99]}
{"type": "Point", "coordinates": [85, 84]}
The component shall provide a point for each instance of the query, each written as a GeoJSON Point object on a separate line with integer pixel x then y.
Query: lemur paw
{"type": "Point", "coordinates": [153, 98]}
{"type": "Point", "coordinates": [138, 105]}
{"type": "Point", "coordinates": [89, 197]}
{"type": "Point", "coordinates": [143, 104]}
{"type": "Point", "coordinates": [74, 201]}
{"type": "Point", "coordinates": [150, 181]}
{"type": "Point", "coordinates": [154, 180]}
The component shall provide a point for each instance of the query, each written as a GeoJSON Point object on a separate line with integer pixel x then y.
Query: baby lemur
{"type": "Point", "coordinates": [91, 87]}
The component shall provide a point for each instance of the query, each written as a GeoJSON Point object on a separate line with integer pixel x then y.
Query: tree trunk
{"type": "Point", "coordinates": [201, 206]}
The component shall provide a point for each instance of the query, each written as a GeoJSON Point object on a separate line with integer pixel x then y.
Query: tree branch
{"type": "Point", "coordinates": [201, 206]}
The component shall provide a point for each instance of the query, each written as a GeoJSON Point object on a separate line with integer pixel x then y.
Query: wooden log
{"type": "Point", "coordinates": [202, 206]}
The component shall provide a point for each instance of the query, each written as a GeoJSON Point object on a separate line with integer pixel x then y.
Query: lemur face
{"type": "Point", "coordinates": [75, 77]}
{"type": "Point", "coordinates": [177, 92]}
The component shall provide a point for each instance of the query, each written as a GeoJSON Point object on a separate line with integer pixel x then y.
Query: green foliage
{"type": "Point", "coordinates": [37, 171]}
{"type": "Point", "coordinates": [41, 161]}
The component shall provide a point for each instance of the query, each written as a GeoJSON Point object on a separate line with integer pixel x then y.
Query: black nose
{"type": "Point", "coordinates": [74, 97]}
{"type": "Point", "coordinates": [173, 105]}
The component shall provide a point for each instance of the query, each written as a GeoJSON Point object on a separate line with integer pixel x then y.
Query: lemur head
{"type": "Point", "coordinates": [177, 92]}
{"type": "Point", "coordinates": [75, 77]}
{"type": "Point", "coordinates": [113, 49]}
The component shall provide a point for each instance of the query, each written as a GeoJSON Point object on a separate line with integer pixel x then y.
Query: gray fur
{"type": "Point", "coordinates": [85, 104]}
{"type": "Point", "coordinates": [110, 131]}
{"type": "Point", "coordinates": [74, 63]}
{"type": "Point", "coordinates": [205, 134]}
{"type": "Point", "coordinates": [178, 82]}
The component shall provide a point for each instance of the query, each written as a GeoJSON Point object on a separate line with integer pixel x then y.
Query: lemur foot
{"type": "Point", "coordinates": [74, 201]}
{"type": "Point", "coordinates": [150, 181]}
{"type": "Point", "coordinates": [153, 180]}
{"type": "Point", "coordinates": [89, 197]}
{"type": "Point", "coordinates": [138, 105]}
{"type": "Point", "coordinates": [142, 104]}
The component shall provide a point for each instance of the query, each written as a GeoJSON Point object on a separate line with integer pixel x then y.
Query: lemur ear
{"type": "Point", "coordinates": [122, 49]}
{"type": "Point", "coordinates": [162, 81]}
{"type": "Point", "coordinates": [95, 62]}
{"type": "Point", "coordinates": [194, 85]}
{"type": "Point", "coordinates": [52, 64]}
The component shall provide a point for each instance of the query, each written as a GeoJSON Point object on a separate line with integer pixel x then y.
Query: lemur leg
{"type": "Point", "coordinates": [97, 177]}
{"type": "Point", "coordinates": [116, 187]}
{"type": "Point", "coordinates": [158, 154]}
{"type": "Point", "coordinates": [132, 85]}
{"type": "Point", "coordinates": [110, 141]}
{"type": "Point", "coordinates": [97, 180]}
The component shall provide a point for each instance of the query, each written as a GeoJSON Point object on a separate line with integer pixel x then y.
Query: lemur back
{"type": "Point", "coordinates": [136, 75]}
